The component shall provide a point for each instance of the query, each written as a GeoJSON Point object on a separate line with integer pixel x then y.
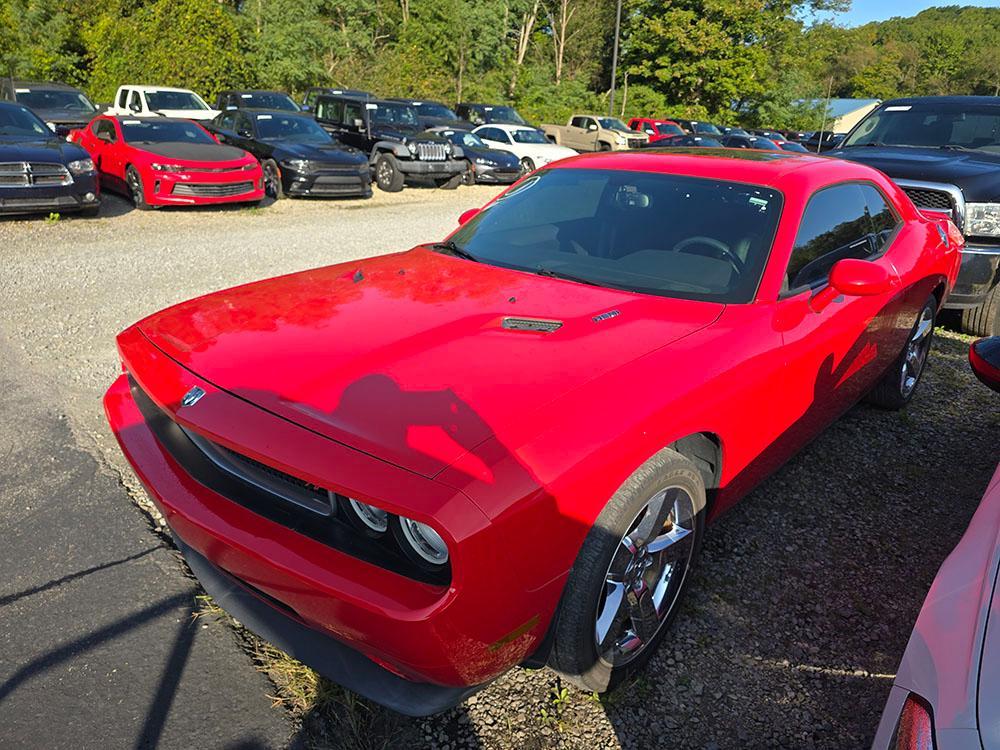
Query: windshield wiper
{"type": "Point", "coordinates": [954, 147]}
{"type": "Point", "coordinates": [551, 273]}
{"type": "Point", "coordinates": [454, 249]}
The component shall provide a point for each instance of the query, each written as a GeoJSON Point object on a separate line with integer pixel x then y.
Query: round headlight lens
{"type": "Point", "coordinates": [426, 542]}
{"type": "Point", "coordinates": [374, 518]}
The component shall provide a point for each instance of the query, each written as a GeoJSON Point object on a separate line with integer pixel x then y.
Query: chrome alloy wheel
{"type": "Point", "coordinates": [916, 352]}
{"type": "Point", "coordinates": [645, 576]}
{"type": "Point", "coordinates": [272, 179]}
{"type": "Point", "coordinates": [383, 172]}
{"type": "Point", "coordinates": [134, 186]}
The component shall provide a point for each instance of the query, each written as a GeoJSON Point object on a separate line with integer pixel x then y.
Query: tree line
{"type": "Point", "coordinates": [749, 61]}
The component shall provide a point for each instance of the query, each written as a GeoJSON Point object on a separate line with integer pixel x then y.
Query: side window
{"type": "Point", "coordinates": [500, 136]}
{"type": "Point", "coordinates": [310, 100]}
{"type": "Point", "coordinates": [577, 122]}
{"type": "Point", "coordinates": [883, 218]}
{"type": "Point", "coordinates": [228, 121]}
{"type": "Point", "coordinates": [489, 134]}
{"type": "Point", "coordinates": [835, 225]}
{"type": "Point", "coordinates": [588, 122]}
{"type": "Point", "coordinates": [243, 125]}
{"type": "Point", "coordinates": [352, 112]}
{"type": "Point", "coordinates": [122, 98]}
{"type": "Point", "coordinates": [330, 110]}
{"type": "Point", "coordinates": [95, 126]}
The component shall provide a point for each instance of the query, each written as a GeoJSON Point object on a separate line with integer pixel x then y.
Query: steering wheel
{"type": "Point", "coordinates": [721, 248]}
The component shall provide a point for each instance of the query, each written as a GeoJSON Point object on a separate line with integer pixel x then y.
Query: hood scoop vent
{"type": "Point", "coordinates": [535, 325]}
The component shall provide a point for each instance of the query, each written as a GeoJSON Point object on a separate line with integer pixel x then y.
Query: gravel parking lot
{"type": "Point", "coordinates": [805, 593]}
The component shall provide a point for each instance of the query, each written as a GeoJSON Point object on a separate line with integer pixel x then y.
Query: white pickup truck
{"type": "Point", "coordinates": [160, 101]}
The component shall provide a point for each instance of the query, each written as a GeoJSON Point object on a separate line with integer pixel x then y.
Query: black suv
{"type": "Point", "coordinates": [944, 151]}
{"type": "Point", "coordinates": [62, 107]}
{"type": "Point", "coordinates": [256, 99]}
{"type": "Point", "coordinates": [489, 114]}
{"type": "Point", "coordinates": [297, 156]}
{"type": "Point", "coordinates": [389, 133]}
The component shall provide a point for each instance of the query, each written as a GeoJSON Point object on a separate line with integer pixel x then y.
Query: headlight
{"type": "Point", "coordinates": [373, 518]}
{"type": "Point", "coordinates": [484, 162]}
{"type": "Point", "coordinates": [982, 219]}
{"type": "Point", "coordinates": [410, 145]}
{"type": "Point", "coordinates": [81, 166]}
{"type": "Point", "coordinates": [168, 168]}
{"type": "Point", "coordinates": [424, 541]}
{"type": "Point", "coordinates": [249, 166]}
{"type": "Point", "coordinates": [449, 149]}
{"type": "Point", "coordinates": [296, 165]}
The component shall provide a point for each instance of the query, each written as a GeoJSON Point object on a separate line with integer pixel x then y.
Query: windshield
{"type": "Point", "coordinates": [613, 123]}
{"type": "Point", "coordinates": [504, 114]}
{"type": "Point", "coordinates": [931, 125]}
{"type": "Point", "coordinates": [791, 146]}
{"type": "Point", "coordinates": [705, 127]}
{"type": "Point", "coordinates": [395, 114]}
{"type": "Point", "coordinates": [463, 138]}
{"type": "Point", "coordinates": [268, 100]}
{"type": "Point", "coordinates": [700, 140]}
{"type": "Point", "coordinates": [43, 99]}
{"type": "Point", "coordinates": [174, 100]}
{"type": "Point", "coordinates": [16, 122]}
{"type": "Point", "coordinates": [291, 128]}
{"type": "Point", "coordinates": [765, 144]}
{"type": "Point", "coordinates": [528, 136]}
{"type": "Point", "coordinates": [163, 131]}
{"type": "Point", "coordinates": [645, 232]}
{"type": "Point", "coordinates": [668, 129]}
{"type": "Point", "coordinates": [431, 109]}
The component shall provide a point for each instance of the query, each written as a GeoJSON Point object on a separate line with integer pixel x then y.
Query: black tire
{"type": "Point", "coordinates": [135, 188]}
{"type": "Point", "coordinates": [893, 391]}
{"type": "Point", "coordinates": [604, 147]}
{"type": "Point", "coordinates": [984, 320]}
{"type": "Point", "coordinates": [272, 179]}
{"type": "Point", "coordinates": [575, 654]}
{"type": "Point", "coordinates": [450, 183]}
{"type": "Point", "coordinates": [387, 174]}
{"type": "Point", "coordinates": [527, 166]}
{"type": "Point", "coordinates": [469, 178]}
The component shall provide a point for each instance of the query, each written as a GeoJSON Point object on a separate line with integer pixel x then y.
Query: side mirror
{"type": "Point", "coordinates": [359, 123]}
{"type": "Point", "coordinates": [592, 126]}
{"type": "Point", "coordinates": [984, 356]}
{"type": "Point", "coordinates": [467, 215]}
{"type": "Point", "coordinates": [244, 133]}
{"type": "Point", "coordinates": [854, 278]}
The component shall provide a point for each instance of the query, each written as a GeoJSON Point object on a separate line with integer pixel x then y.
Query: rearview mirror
{"type": "Point", "coordinates": [854, 278]}
{"type": "Point", "coordinates": [984, 356]}
{"type": "Point", "coordinates": [466, 215]}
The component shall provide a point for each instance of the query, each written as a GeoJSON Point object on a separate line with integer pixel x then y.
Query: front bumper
{"type": "Point", "coordinates": [497, 175]}
{"type": "Point", "coordinates": [979, 273]}
{"type": "Point", "coordinates": [203, 188]}
{"type": "Point", "coordinates": [334, 182]}
{"type": "Point", "coordinates": [83, 193]}
{"type": "Point", "coordinates": [454, 636]}
{"type": "Point", "coordinates": [418, 168]}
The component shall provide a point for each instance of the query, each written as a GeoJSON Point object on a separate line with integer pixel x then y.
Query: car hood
{"type": "Point", "coordinates": [190, 114]}
{"type": "Point", "coordinates": [975, 172]}
{"type": "Point", "coordinates": [499, 157]}
{"type": "Point", "coordinates": [331, 152]}
{"type": "Point", "coordinates": [48, 150]}
{"type": "Point", "coordinates": [188, 152]}
{"type": "Point", "coordinates": [395, 132]}
{"type": "Point", "coordinates": [65, 116]}
{"type": "Point", "coordinates": [406, 356]}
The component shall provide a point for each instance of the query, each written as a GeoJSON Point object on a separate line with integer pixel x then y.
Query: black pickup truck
{"type": "Point", "coordinates": [944, 151]}
{"type": "Point", "coordinates": [389, 133]}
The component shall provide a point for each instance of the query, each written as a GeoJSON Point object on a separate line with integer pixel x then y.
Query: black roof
{"type": "Point", "coordinates": [273, 112]}
{"type": "Point", "coordinates": [415, 101]}
{"type": "Point", "coordinates": [990, 100]}
{"type": "Point", "coordinates": [253, 91]}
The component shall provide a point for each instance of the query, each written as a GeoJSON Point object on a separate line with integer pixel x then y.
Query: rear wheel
{"type": "Point", "coordinates": [626, 582]}
{"type": "Point", "coordinates": [984, 320]}
{"type": "Point", "coordinates": [135, 188]}
{"type": "Point", "coordinates": [527, 165]}
{"type": "Point", "coordinates": [387, 174]}
{"type": "Point", "coordinates": [899, 383]}
{"type": "Point", "coordinates": [604, 147]}
{"type": "Point", "coordinates": [272, 179]}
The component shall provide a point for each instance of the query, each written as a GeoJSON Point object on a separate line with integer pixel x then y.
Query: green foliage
{"type": "Point", "coordinates": [191, 43]}
{"type": "Point", "coordinates": [747, 61]}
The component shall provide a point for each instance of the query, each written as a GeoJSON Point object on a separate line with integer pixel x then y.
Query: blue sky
{"type": "Point", "coordinates": [863, 11]}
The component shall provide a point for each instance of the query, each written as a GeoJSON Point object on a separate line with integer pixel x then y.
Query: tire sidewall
{"type": "Point", "coordinates": [395, 182]}
{"type": "Point", "coordinates": [574, 652]}
{"type": "Point", "coordinates": [138, 201]}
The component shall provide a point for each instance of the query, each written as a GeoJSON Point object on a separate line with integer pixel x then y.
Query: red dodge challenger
{"type": "Point", "coordinates": [416, 471]}
{"type": "Point", "coordinates": [168, 162]}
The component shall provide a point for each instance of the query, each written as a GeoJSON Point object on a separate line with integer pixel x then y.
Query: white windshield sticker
{"type": "Point", "coordinates": [898, 108]}
{"type": "Point", "coordinates": [758, 202]}
{"type": "Point", "coordinates": [263, 117]}
{"type": "Point", "coordinates": [22, 91]}
{"type": "Point", "coordinates": [131, 122]}
{"type": "Point", "coordinates": [247, 96]}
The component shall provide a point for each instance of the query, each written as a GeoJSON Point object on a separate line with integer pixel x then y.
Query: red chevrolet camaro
{"type": "Point", "coordinates": [417, 471]}
{"type": "Point", "coordinates": [164, 161]}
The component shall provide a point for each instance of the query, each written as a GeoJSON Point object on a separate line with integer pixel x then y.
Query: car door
{"type": "Point", "coordinates": [497, 138]}
{"type": "Point", "coordinates": [835, 354]}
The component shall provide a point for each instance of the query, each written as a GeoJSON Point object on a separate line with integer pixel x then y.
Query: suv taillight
{"type": "Point", "coordinates": [916, 729]}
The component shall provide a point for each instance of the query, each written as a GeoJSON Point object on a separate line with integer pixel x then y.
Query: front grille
{"type": "Point", "coordinates": [212, 190]}
{"type": "Point", "coordinates": [635, 142]}
{"type": "Point", "coordinates": [19, 174]}
{"type": "Point", "coordinates": [431, 152]}
{"type": "Point", "coordinates": [935, 200]}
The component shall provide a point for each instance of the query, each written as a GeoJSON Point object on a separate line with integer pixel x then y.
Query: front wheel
{"type": "Point", "coordinates": [627, 581]}
{"type": "Point", "coordinates": [984, 319]}
{"type": "Point", "coordinates": [135, 189]}
{"type": "Point", "coordinates": [272, 180]}
{"type": "Point", "coordinates": [899, 383]}
{"type": "Point", "coordinates": [527, 166]}
{"type": "Point", "coordinates": [388, 175]}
